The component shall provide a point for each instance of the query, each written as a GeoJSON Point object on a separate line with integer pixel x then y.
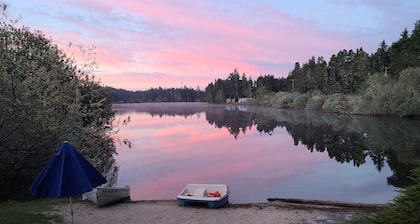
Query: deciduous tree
{"type": "Point", "coordinates": [46, 99]}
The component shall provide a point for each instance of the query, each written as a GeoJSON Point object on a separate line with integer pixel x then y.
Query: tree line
{"type": "Point", "coordinates": [239, 86]}
{"type": "Point", "coordinates": [160, 94]}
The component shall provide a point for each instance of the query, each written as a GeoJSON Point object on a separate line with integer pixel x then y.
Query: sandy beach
{"type": "Point", "coordinates": [168, 211]}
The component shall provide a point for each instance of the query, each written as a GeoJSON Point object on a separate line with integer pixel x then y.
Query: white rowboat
{"type": "Point", "coordinates": [102, 196]}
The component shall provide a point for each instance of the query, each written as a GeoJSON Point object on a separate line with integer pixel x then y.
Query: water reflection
{"type": "Point", "coordinates": [173, 144]}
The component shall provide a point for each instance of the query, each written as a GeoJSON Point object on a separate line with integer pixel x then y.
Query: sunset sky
{"type": "Point", "coordinates": [174, 43]}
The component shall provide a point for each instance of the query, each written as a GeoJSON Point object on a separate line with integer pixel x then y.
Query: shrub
{"type": "Point", "coordinates": [339, 103]}
{"type": "Point", "coordinates": [356, 104]}
{"type": "Point", "coordinates": [405, 207]}
{"type": "Point", "coordinates": [286, 100]}
{"type": "Point", "coordinates": [378, 93]}
{"type": "Point", "coordinates": [315, 102]}
{"type": "Point", "coordinates": [331, 103]}
{"type": "Point", "coordinates": [282, 100]}
{"type": "Point", "coordinates": [386, 96]}
{"type": "Point", "coordinates": [299, 101]}
{"type": "Point", "coordinates": [409, 83]}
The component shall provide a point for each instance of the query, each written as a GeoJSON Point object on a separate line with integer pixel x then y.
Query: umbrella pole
{"type": "Point", "coordinates": [71, 210]}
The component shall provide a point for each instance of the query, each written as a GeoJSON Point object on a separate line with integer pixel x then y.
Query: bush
{"type": "Point", "coordinates": [339, 103]}
{"type": "Point", "coordinates": [409, 81]}
{"type": "Point", "coordinates": [260, 93]}
{"type": "Point", "coordinates": [286, 100]}
{"type": "Point", "coordinates": [380, 95]}
{"type": "Point", "coordinates": [281, 100]}
{"type": "Point", "coordinates": [315, 102]}
{"type": "Point", "coordinates": [405, 207]}
{"type": "Point", "coordinates": [299, 101]}
{"type": "Point", "coordinates": [356, 104]}
{"type": "Point", "coordinates": [331, 103]}
{"type": "Point", "coordinates": [386, 96]}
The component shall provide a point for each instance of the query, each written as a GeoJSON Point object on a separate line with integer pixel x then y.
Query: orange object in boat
{"type": "Point", "coordinates": [215, 194]}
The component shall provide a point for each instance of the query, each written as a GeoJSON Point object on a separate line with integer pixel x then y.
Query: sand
{"type": "Point", "coordinates": [168, 211]}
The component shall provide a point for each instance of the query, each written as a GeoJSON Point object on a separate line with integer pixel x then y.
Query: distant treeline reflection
{"type": "Point", "coordinates": [346, 138]}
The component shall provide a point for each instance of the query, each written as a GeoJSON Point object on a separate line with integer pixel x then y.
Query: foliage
{"type": "Point", "coordinates": [406, 51]}
{"type": "Point", "coordinates": [379, 95]}
{"type": "Point", "coordinates": [332, 103]}
{"type": "Point", "coordinates": [156, 95]}
{"type": "Point", "coordinates": [344, 73]}
{"type": "Point", "coordinates": [406, 207]}
{"type": "Point", "coordinates": [377, 92]}
{"type": "Point", "coordinates": [300, 101]}
{"type": "Point", "coordinates": [347, 70]}
{"type": "Point", "coordinates": [264, 98]}
{"type": "Point", "coordinates": [284, 99]}
{"type": "Point", "coordinates": [233, 88]}
{"type": "Point", "coordinates": [293, 100]}
{"type": "Point", "coordinates": [409, 80]}
{"type": "Point", "coordinates": [45, 100]}
{"type": "Point", "coordinates": [311, 76]}
{"type": "Point", "coordinates": [340, 103]}
{"type": "Point", "coordinates": [34, 211]}
{"type": "Point", "coordinates": [380, 61]}
{"type": "Point", "coordinates": [384, 95]}
{"type": "Point", "coordinates": [270, 83]}
{"type": "Point", "coordinates": [262, 92]}
{"type": "Point", "coordinates": [315, 102]}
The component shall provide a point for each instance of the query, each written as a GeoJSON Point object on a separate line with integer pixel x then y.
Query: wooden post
{"type": "Point", "coordinates": [293, 84]}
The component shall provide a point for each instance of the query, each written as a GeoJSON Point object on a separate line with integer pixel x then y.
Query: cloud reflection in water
{"type": "Point", "coordinates": [171, 151]}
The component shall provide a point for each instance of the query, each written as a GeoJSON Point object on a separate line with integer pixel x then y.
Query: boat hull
{"type": "Point", "coordinates": [103, 196]}
{"type": "Point", "coordinates": [211, 204]}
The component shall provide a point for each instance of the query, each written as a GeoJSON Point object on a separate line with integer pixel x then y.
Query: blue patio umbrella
{"type": "Point", "coordinates": [68, 173]}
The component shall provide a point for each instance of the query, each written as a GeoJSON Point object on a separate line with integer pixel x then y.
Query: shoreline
{"type": "Point", "coordinates": [168, 211]}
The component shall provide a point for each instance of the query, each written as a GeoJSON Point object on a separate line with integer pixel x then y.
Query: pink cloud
{"type": "Point", "coordinates": [210, 43]}
{"type": "Point", "coordinates": [143, 44]}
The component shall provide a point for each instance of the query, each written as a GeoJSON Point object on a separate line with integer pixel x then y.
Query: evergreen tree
{"type": "Point", "coordinates": [380, 60]}
{"type": "Point", "coordinates": [406, 51]}
{"type": "Point", "coordinates": [295, 78]}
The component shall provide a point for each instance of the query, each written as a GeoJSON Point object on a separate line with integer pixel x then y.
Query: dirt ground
{"type": "Point", "coordinates": [168, 211]}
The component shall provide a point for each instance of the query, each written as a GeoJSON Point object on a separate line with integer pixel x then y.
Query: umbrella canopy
{"type": "Point", "coordinates": [68, 173]}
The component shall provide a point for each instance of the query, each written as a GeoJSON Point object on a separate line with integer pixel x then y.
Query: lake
{"type": "Point", "coordinates": [263, 153]}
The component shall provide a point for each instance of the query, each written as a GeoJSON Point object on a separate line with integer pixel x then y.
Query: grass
{"type": "Point", "coordinates": [34, 211]}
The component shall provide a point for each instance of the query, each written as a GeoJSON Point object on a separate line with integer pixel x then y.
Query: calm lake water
{"type": "Point", "coordinates": [263, 153]}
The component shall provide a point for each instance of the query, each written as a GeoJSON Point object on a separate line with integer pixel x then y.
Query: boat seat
{"type": "Point", "coordinates": [200, 192]}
